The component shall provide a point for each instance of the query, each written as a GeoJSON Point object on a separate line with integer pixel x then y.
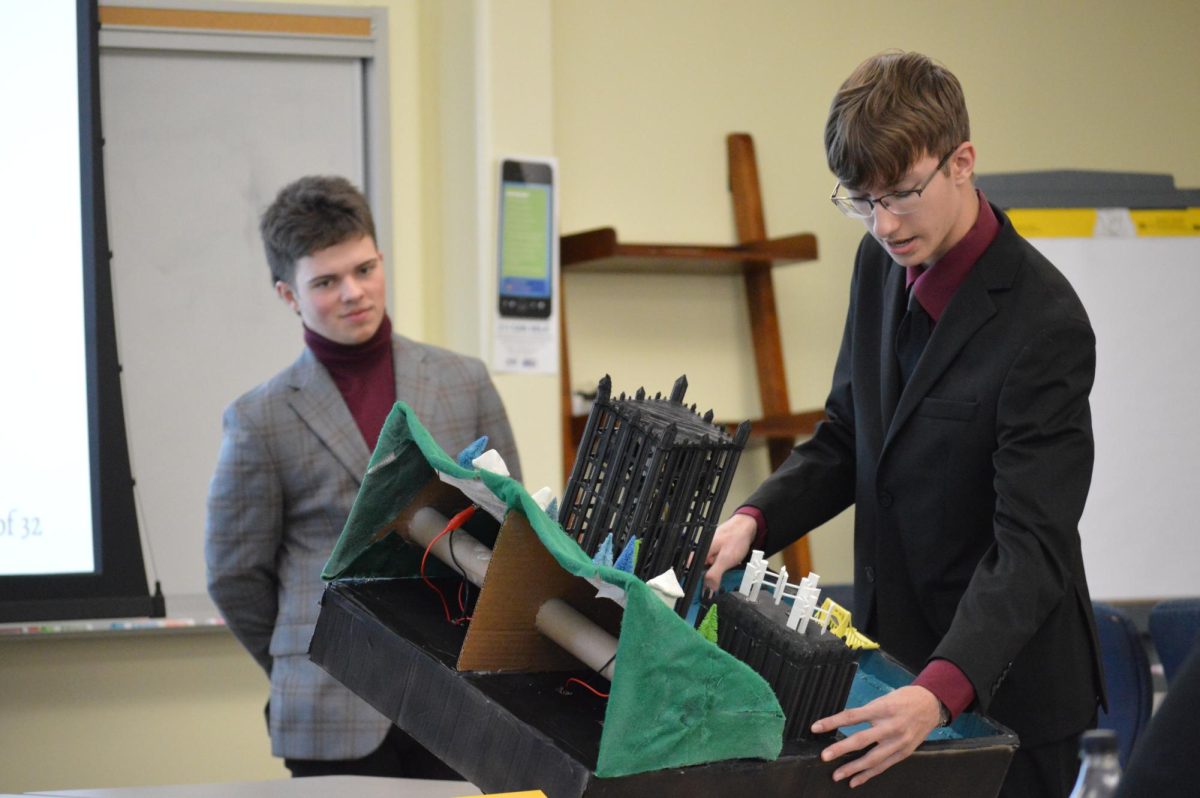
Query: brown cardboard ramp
{"type": "Point", "coordinates": [522, 576]}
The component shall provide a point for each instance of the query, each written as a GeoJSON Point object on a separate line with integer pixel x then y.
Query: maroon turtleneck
{"type": "Point", "coordinates": [364, 374]}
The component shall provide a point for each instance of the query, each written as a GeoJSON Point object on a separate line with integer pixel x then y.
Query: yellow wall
{"type": "Point", "coordinates": [634, 98]}
{"type": "Point", "coordinates": [131, 709]}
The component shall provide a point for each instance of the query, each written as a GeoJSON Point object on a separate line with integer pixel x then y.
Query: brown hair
{"type": "Point", "coordinates": [893, 109]}
{"type": "Point", "coordinates": [309, 215]}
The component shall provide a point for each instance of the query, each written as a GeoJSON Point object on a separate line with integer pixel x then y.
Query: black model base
{"type": "Point", "coordinates": [387, 640]}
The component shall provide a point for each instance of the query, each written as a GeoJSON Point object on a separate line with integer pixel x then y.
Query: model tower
{"type": "Point", "coordinates": [654, 470]}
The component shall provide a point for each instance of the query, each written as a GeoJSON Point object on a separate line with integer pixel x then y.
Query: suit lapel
{"type": "Point", "coordinates": [414, 385]}
{"type": "Point", "coordinates": [970, 308]}
{"type": "Point", "coordinates": [316, 399]}
{"type": "Point", "coordinates": [894, 305]}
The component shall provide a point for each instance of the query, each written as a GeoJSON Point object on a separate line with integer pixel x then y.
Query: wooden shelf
{"type": "Point", "coordinates": [600, 251]}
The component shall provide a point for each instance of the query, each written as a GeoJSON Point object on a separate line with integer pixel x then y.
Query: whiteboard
{"type": "Point", "coordinates": [1140, 539]}
{"type": "Point", "coordinates": [196, 146]}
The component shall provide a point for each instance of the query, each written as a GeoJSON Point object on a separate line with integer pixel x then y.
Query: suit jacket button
{"type": "Point", "coordinates": [869, 572]}
{"type": "Point", "coordinates": [885, 498]}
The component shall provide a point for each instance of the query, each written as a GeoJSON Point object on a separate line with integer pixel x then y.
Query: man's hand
{"type": "Point", "coordinates": [900, 721]}
{"type": "Point", "coordinates": [730, 545]}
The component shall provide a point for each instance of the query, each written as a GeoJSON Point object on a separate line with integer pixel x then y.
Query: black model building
{"type": "Point", "coordinates": [656, 470]}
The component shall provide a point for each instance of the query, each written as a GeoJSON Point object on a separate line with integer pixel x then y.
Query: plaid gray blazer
{"type": "Point", "coordinates": [289, 468]}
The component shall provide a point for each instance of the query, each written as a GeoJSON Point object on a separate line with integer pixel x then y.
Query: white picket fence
{"type": "Point", "coordinates": [804, 595]}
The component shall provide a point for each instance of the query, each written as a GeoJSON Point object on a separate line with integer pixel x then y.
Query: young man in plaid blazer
{"type": "Point", "coordinates": [293, 455]}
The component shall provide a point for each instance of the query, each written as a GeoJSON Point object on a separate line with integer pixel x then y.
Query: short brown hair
{"type": "Point", "coordinates": [309, 215]}
{"type": "Point", "coordinates": [893, 109]}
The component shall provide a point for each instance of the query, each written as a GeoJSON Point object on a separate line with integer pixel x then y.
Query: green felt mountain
{"type": "Point", "coordinates": [676, 699]}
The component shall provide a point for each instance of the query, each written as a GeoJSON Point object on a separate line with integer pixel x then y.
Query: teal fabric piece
{"type": "Point", "coordinates": [676, 699]}
{"type": "Point", "coordinates": [397, 470]}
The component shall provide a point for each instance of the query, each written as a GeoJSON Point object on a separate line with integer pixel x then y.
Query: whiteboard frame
{"type": "Point", "coordinates": [371, 50]}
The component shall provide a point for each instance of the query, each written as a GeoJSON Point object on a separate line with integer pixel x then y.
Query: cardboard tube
{"type": "Point", "coordinates": [556, 619]}
{"type": "Point", "coordinates": [470, 556]}
{"type": "Point", "coordinates": [590, 644]}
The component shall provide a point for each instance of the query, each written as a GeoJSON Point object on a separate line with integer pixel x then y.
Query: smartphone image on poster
{"type": "Point", "coordinates": [526, 239]}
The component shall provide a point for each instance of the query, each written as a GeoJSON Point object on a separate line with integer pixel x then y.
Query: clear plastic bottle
{"type": "Point", "coordinates": [1101, 768]}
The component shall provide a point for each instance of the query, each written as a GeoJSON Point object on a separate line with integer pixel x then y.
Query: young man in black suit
{"type": "Point", "coordinates": [958, 425]}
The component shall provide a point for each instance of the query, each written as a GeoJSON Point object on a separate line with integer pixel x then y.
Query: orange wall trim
{"type": "Point", "coordinates": [246, 22]}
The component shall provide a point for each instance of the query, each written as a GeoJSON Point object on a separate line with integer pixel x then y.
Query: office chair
{"type": "Point", "coordinates": [1174, 626]}
{"type": "Point", "coordinates": [1126, 676]}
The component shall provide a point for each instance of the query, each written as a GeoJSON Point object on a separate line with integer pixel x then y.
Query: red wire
{"type": "Point", "coordinates": [454, 523]}
{"type": "Point", "coordinates": [587, 686]}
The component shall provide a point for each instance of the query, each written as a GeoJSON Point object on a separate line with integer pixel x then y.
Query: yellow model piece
{"type": "Point", "coordinates": [839, 624]}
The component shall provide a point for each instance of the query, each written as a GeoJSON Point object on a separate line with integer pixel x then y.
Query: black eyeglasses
{"type": "Point", "coordinates": [897, 202]}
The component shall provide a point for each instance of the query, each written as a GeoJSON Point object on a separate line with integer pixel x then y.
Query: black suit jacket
{"type": "Point", "coordinates": [968, 485]}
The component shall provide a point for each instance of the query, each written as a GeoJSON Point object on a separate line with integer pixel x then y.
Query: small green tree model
{"type": "Point", "coordinates": [708, 626]}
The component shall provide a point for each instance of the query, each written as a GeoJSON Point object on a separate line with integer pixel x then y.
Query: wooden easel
{"type": "Point", "coordinates": [753, 257]}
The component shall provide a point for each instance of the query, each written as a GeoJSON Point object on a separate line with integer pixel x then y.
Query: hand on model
{"type": "Point", "coordinates": [730, 545]}
{"type": "Point", "coordinates": [900, 721]}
